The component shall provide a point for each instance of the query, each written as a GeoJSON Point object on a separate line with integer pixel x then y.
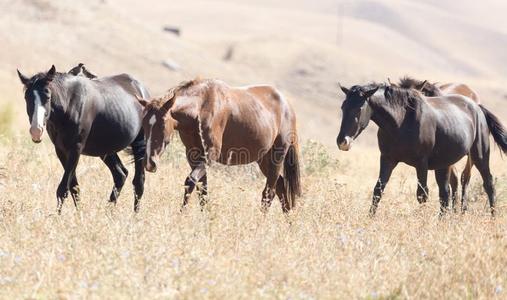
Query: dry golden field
{"type": "Point", "coordinates": [327, 248]}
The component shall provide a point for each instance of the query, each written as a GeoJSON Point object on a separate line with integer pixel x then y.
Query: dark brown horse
{"type": "Point", "coordinates": [233, 126]}
{"type": "Point", "coordinates": [433, 90]}
{"type": "Point", "coordinates": [97, 117]}
{"type": "Point", "coordinates": [426, 133]}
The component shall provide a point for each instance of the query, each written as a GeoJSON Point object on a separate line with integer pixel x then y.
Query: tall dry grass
{"type": "Point", "coordinates": [327, 248]}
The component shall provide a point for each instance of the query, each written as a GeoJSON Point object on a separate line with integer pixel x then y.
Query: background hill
{"type": "Point", "coordinates": [304, 47]}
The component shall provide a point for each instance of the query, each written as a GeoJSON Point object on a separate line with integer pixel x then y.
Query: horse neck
{"type": "Point", "coordinates": [387, 115]}
{"type": "Point", "coordinates": [59, 98]}
{"type": "Point", "coordinates": [171, 124]}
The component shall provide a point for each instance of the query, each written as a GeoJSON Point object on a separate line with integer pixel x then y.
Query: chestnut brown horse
{"type": "Point", "coordinates": [428, 133]}
{"type": "Point", "coordinates": [232, 126]}
{"type": "Point", "coordinates": [433, 90]}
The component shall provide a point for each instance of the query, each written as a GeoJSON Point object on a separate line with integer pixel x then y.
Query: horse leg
{"type": "Point", "coordinates": [202, 190]}
{"type": "Point", "coordinates": [271, 165]}
{"type": "Point", "coordinates": [280, 190]}
{"type": "Point", "coordinates": [68, 174]}
{"type": "Point", "coordinates": [386, 169]}
{"type": "Point", "coordinates": [453, 180]}
{"type": "Point", "coordinates": [422, 183]}
{"type": "Point", "coordinates": [138, 150]}
{"type": "Point", "coordinates": [442, 177]}
{"type": "Point", "coordinates": [465, 180]}
{"type": "Point", "coordinates": [198, 174]}
{"type": "Point", "coordinates": [74, 185]}
{"type": "Point", "coordinates": [482, 165]}
{"type": "Point", "coordinates": [114, 164]}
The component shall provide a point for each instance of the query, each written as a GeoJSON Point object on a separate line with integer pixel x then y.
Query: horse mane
{"type": "Point", "coordinates": [402, 97]}
{"type": "Point", "coordinates": [429, 90]}
{"type": "Point", "coordinates": [171, 93]}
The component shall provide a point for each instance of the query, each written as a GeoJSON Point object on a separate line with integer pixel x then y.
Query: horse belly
{"type": "Point", "coordinates": [111, 135]}
{"type": "Point", "coordinates": [448, 154]}
{"type": "Point", "coordinates": [242, 144]}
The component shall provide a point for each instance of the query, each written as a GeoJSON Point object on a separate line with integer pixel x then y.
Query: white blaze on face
{"type": "Point", "coordinates": [39, 112]}
{"type": "Point", "coordinates": [152, 122]}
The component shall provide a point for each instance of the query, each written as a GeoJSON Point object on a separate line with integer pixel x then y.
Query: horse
{"type": "Point", "coordinates": [428, 133]}
{"type": "Point", "coordinates": [97, 117]}
{"type": "Point", "coordinates": [231, 126]}
{"type": "Point", "coordinates": [433, 90]}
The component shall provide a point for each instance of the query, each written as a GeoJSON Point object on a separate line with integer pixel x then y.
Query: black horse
{"type": "Point", "coordinates": [97, 117]}
{"type": "Point", "coordinates": [424, 132]}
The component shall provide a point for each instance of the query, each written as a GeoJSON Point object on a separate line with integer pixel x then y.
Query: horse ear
{"type": "Point", "coordinates": [168, 104]}
{"type": "Point", "coordinates": [50, 75]}
{"type": "Point", "coordinates": [23, 78]}
{"type": "Point", "coordinates": [421, 86]}
{"type": "Point", "coordinates": [344, 89]}
{"type": "Point", "coordinates": [371, 92]}
{"type": "Point", "coordinates": [142, 101]}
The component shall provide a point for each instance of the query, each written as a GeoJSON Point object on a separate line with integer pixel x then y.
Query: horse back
{"type": "Point", "coordinates": [460, 89]}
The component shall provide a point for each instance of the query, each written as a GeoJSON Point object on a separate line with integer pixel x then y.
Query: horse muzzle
{"type": "Point", "coordinates": [346, 144]}
{"type": "Point", "coordinates": [36, 134]}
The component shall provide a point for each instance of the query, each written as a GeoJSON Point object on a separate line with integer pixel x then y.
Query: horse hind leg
{"type": "Point", "coordinates": [482, 165]}
{"type": "Point", "coordinates": [75, 192]}
{"type": "Point", "coordinates": [138, 151]}
{"type": "Point", "coordinates": [453, 181]}
{"type": "Point", "coordinates": [465, 181]}
{"type": "Point", "coordinates": [271, 166]}
{"type": "Point", "coordinates": [116, 167]}
{"type": "Point", "coordinates": [281, 192]}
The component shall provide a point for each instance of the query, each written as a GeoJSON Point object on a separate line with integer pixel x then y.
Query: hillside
{"type": "Point", "coordinates": [304, 47]}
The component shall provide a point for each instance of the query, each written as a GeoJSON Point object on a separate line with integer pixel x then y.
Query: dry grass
{"type": "Point", "coordinates": [327, 248]}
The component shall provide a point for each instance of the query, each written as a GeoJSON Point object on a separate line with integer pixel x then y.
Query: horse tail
{"type": "Point", "coordinates": [291, 174]}
{"type": "Point", "coordinates": [496, 128]}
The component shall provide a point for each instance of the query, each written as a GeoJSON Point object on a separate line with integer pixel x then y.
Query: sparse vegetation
{"type": "Point", "coordinates": [6, 119]}
{"type": "Point", "coordinates": [327, 248]}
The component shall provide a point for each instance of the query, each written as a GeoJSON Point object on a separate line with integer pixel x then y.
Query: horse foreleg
{"type": "Point", "coordinates": [386, 169]}
{"type": "Point", "coordinates": [74, 185]}
{"type": "Point", "coordinates": [68, 174]}
{"type": "Point", "coordinates": [198, 174]}
{"type": "Point", "coordinates": [422, 183]}
{"type": "Point", "coordinates": [442, 177]}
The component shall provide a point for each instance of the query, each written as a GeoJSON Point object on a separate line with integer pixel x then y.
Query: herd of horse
{"type": "Point", "coordinates": [424, 125]}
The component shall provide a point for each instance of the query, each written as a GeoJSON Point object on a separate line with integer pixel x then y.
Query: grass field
{"type": "Point", "coordinates": [326, 248]}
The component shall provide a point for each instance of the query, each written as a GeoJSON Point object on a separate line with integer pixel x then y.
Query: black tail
{"type": "Point", "coordinates": [137, 148]}
{"type": "Point", "coordinates": [496, 128]}
{"type": "Point", "coordinates": [291, 175]}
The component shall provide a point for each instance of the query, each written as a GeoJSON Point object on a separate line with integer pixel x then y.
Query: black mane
{"type": "Point", "coordinates": [429, 89]}
{"type": "Point", "coordinates": [404, 97]}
